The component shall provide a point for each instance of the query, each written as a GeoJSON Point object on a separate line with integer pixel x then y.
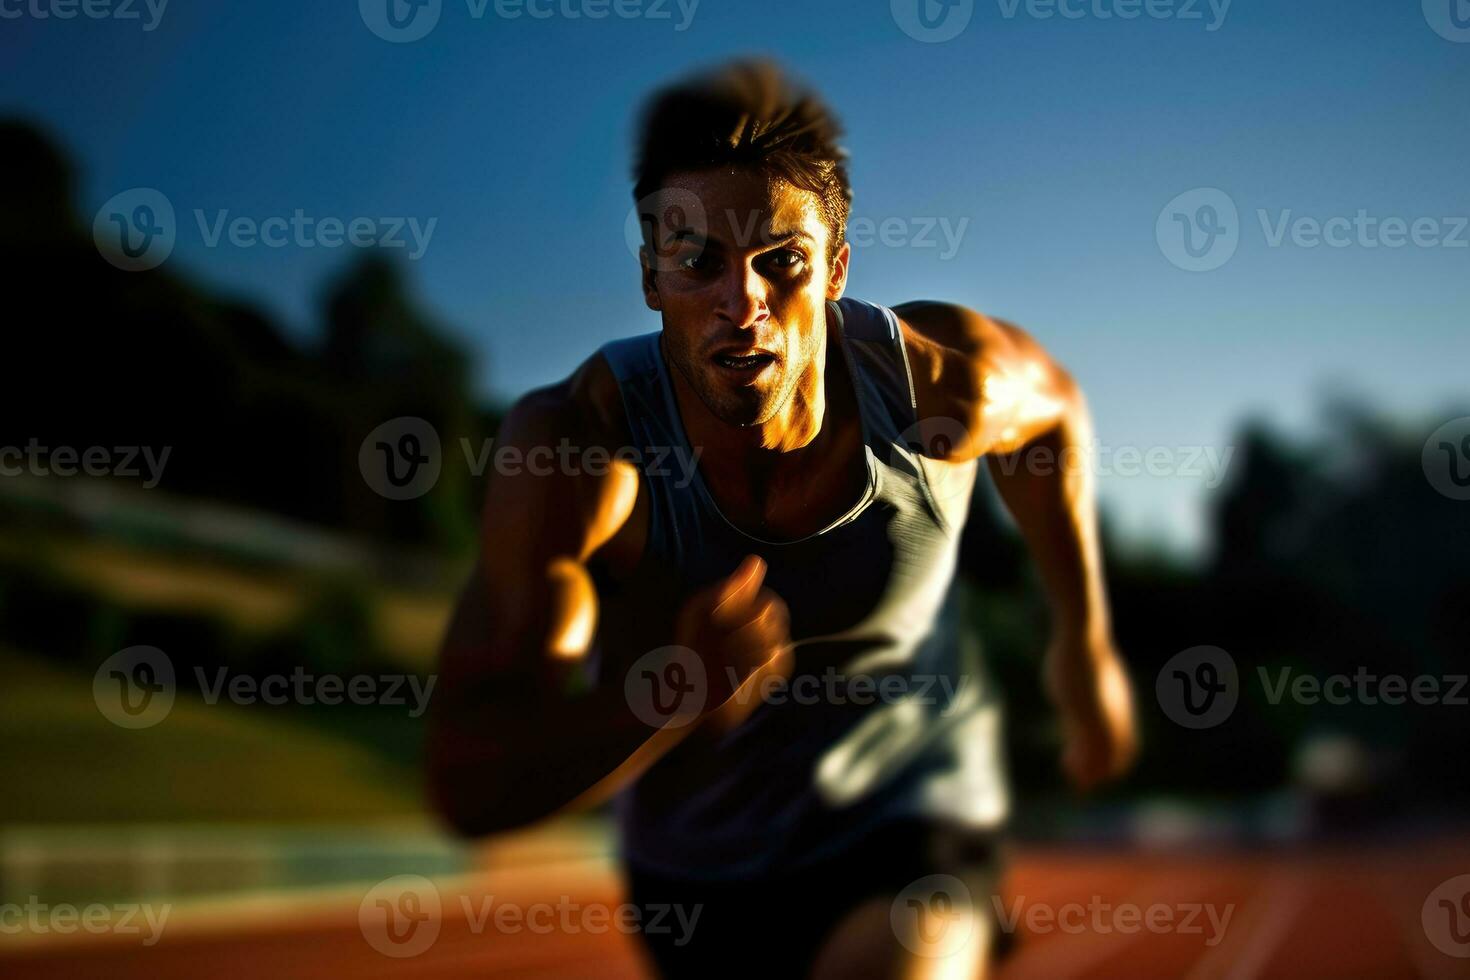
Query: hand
{"type": "Point", "coordinates": [1088, 683]}
{"type": "Point", "coordinates": [742, 633]}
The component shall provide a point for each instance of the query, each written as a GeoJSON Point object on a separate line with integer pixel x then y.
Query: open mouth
{"type": "Point", "coordinates": [745, 363]}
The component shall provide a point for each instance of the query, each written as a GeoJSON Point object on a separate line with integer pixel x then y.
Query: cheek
{"type": "Point", "coordinates": [678, 291]}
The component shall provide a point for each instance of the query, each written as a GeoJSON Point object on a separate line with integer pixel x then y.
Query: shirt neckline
{"type": "Point", "coordinates": [870, 491]}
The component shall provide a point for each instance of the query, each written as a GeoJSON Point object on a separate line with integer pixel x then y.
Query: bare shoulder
{"type": "Point", "coordinates": [950, 325]}
{"type": "Point", "coordinates": [946, 345]}
{"type": "Point", "coordinates": [950, 335]}
{"type": "Point", "coordinates": [983, 371]}
{"type": "Point", "coordinates": [555, 472]}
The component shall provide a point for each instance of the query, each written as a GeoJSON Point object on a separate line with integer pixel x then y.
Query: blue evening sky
{"type": "Point", "coordinates": [1057, 141]}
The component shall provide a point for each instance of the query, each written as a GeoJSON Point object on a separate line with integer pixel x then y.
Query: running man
{"type": "Point", "coordinates": [730, 605]}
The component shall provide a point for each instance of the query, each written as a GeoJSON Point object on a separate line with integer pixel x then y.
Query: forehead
{"type": "Point", "coordinates": [737, 204]}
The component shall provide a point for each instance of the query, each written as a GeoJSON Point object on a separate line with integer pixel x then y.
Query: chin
{"type": "Point", "coordinates": [741, 408]}
{"type": "Point", "coordinates": [741, 413]}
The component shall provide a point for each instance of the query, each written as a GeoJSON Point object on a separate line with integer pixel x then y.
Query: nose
{"type": "Point", "coordinates": [744, 300]}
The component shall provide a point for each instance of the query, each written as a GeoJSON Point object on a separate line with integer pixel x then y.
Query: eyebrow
{"type": "Point", "coordinates": [775, 239]}
{"type": "Point", "coordinates": [786, 236]}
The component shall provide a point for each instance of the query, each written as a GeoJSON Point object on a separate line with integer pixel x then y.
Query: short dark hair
{"type": "Point", "coordinates": [747, 114]}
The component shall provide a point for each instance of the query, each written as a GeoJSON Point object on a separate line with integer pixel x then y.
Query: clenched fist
{"type": "Point", "coordinates": [741, 631]}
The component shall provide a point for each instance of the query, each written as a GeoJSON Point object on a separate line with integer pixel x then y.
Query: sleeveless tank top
{"type": "Point", "coordinates": [887, 713]}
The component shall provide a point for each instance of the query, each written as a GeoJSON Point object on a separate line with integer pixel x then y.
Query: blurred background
{"type": "Point", "coordinates": [240, 241]}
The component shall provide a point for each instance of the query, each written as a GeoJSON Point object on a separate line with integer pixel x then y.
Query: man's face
{"type": "Point", "coordinates": [739, 268]}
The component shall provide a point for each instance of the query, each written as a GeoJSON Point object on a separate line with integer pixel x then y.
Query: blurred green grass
{"type": "Point", "coordinates": [64, 762]}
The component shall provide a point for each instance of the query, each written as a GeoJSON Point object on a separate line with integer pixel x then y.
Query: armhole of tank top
{"type": "Point", "coordinates": [616, 364]}
{"type": "Point", "coordinates": [896, 332]}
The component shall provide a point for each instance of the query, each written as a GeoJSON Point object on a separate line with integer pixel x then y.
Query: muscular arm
{"type": "Point", "coordinates": [1026, 415]}
{"type": "Point", "coordinates": [507, 743]}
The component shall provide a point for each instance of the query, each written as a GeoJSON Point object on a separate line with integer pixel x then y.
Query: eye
{"type": "Point", "coordinates": [698, 260]}
{"type": "Point", "coordinates": [787, 259]}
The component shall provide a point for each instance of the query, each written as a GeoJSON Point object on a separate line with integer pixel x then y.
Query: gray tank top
{"type": "Point", "coordinates": [887, 712]}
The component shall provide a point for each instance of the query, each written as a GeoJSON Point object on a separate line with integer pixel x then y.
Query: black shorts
{"type": "Point", "coordinates": [774, 927]}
